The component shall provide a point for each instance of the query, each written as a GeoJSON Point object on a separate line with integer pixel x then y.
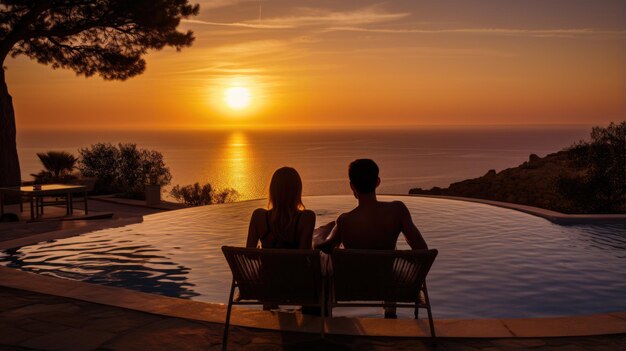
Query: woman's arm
{"type": "Point", "coordinates": [253, 229]}
{"type": "Point", "coordinates": [306, 233]}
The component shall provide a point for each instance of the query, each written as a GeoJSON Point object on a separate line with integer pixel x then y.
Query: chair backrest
{"type": "Point", "coordinates": [380, 275]}
{"type": "Point", "coordinates": [276, 276]}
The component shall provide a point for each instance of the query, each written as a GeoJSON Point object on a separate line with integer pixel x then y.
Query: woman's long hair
{"type": "Point", "coordinates": [285, 200]}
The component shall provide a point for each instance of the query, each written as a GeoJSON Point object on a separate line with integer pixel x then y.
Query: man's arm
{"type": "Point", "coordinates": [410, 231]}
{"type": "Point", "coordinates": [328, 242]}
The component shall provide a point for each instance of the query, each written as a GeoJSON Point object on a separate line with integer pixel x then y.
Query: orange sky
{"type": "Point", "coordinates": [357, 64]}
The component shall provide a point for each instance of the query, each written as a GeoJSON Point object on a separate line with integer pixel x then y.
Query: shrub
{"type": "Point", "coordinates": [130, 170]}
{"type": "Point", "coordinates": [224, 196]}
{"type": "Point", "coordinates": [154, 170]}
{"type": "Point", "coordinates": [602, 187]}
{"type": "Point", "coordinates": [100, 161]}
{"type": "Point", "coordinates": [200, 195]}
{"type": "Point", "coordinates": [125, 168]}
{"type": "Point", "coordinates": [58, 167]}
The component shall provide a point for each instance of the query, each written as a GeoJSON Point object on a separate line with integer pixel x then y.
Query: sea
{"type": "Point", "coordinates": [244, 160]}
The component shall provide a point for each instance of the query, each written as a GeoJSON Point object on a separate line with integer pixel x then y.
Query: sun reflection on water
{"type": "Point", "coordinates": [237, 165]}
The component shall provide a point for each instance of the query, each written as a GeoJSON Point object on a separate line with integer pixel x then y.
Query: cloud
{"type": "Point", "coordinates": [263, 47]}
{"type": "Point", "coordinates": [237, 24]}
{"type": "Point", "coordinates": [310, 17]}
{"type": "Point", "coordinates": [254, 47]}
{"type": "Point", "coordinates": [320, 17]}
{"type": "Point", "coordinates": [226, 68]}
{"type": "Point", "coordinates": [488, 31]}
{"type": "Point", "coordinates": [364, 19]}
{"type": "Point", "coordinates": [213, 4]}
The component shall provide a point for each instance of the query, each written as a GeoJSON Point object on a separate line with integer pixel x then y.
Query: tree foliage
{"type": "Point", "coordinates": [105, 37]}
{"type": "Point", "coordinates": [602, 187]}
{"type": "Point", "coordinates": [91, 37]}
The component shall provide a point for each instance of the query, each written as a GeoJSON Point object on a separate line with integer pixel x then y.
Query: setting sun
{"type": "Point", "coordinates": [237, 97]}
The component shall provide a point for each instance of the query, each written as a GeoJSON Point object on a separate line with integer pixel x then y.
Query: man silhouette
{"type": "Point", "coordinates": [372, 224]}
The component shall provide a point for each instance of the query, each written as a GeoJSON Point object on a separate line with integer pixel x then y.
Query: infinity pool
{"type": "Point", "coordinates": [492, 262]}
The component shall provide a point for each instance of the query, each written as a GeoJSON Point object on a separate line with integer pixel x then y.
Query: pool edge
{"type": "Point", "coordinates": [574, 326]}
{"type": "Point", "coordinates": [552, 216]}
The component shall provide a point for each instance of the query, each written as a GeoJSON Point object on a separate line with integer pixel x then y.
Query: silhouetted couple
{"type": "Point", "coordinates": [373, 224]}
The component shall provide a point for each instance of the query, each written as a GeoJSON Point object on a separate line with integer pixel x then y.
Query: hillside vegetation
{"type": "Point", "coordinates": [587, 177]}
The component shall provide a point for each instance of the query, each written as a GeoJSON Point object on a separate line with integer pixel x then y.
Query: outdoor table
{"type": "Point", "coordinates": [36, 196]}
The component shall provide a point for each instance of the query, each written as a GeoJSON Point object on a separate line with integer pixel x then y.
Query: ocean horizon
{"type": "Point", "coordinates": [245, 159]}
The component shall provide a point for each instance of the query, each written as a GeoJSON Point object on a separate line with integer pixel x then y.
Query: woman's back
{"type": "Point", "coordinates": [297, 235]}
{"type": "Point", "coordinates": [286, 224]}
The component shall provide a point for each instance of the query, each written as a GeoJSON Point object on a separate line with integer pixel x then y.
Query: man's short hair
{"type": "Point", "coordinates": [363, 174]}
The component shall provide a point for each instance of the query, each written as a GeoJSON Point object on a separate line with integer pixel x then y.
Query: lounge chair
{"type": "Point", "coordinates": [371, 278]}
{"type": "Point", "coordinates": [274, 277]}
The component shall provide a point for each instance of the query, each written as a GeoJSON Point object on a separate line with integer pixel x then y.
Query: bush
{"type": "Point", "coordinates": [58, 167]}
{"type": "Point", "coordinates": [602, 187]}
{"type": "Point", "coordinates": [101, 162]}
{"type": "Point", "coordinates": [154, 169]}
{"type": "Point", "coordinates": [130, 170]}
{"type": "Point", "coordinates": [200, 195]}
{"type": "Point", "coordinates": [125, 168]}
{"type": "Point", "coordinates": [225, 196]}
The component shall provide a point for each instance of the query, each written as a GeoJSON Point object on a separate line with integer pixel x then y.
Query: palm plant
{"type": "Point", "coordinates": [57, 164]}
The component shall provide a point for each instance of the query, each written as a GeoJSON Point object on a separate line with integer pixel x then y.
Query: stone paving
{"type": "Point", "coordinates": [32, 321]}
{"type": "Point", "coordinates": [23, 228]}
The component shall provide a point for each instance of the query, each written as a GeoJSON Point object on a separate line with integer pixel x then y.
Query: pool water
{"type": "Point", "coordinates": [492, 262]}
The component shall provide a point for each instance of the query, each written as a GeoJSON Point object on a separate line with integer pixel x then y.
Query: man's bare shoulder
{"type": "Point", "coordinates": [396, 206]}
{"type": "Point", "coordinates": [344, 217]}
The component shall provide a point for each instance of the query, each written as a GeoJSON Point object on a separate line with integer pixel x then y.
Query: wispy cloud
{"type": "Point", "coordinates": [308, 17]}
{"type": "Point", "coordinates": [571, 32]}
{"type": "Point", "coordinates": [429, 52]}
{"type": "Point", "coordinates": [311, 17]}
{"type": "Point", "coordinates": [365, 19]}
{"type": "Point", "coordinates": [227, 68]}
{"type": "Point", "coordinates": [213, 4]}
{"type": "Point", "coordinates": [262, 47]}
{"type": "Point", "coordinates": [238, 24]}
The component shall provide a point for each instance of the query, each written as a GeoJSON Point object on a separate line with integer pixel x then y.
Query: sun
{"type": "Point", "coordinates": [237, 98]}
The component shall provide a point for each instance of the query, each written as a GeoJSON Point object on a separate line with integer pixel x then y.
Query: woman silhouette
{"type": "Point", "coordinates": [286, 224]}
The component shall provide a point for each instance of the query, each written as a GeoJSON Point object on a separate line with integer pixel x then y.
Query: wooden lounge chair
{"type": "Point", "coordinates": [274, 277]}
{"type": "Point", "coordinates": [385, 278]}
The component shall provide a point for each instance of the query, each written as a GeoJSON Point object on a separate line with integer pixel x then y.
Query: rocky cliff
{"type": "Point", "coordinates": [534, 183]}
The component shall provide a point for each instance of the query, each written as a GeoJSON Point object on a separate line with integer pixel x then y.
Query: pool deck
{"type": "Point", "coordinates": [599, 324]}
{"type": "Point", "coordinates": [41, 312]}
{"type": "Point", "coordinates": [33, 321]}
